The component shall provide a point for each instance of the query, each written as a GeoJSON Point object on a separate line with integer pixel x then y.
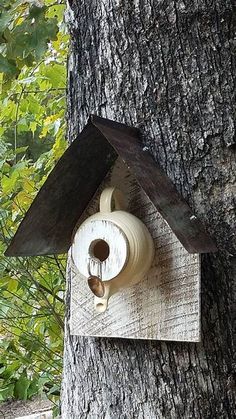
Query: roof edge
{"type": "Point", "coordinates": [48, 224]}
{"type": "Point", "coordinates": [158, 186]}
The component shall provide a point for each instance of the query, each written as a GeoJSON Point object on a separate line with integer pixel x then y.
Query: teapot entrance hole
{"type": "Point", "coordinates": [99, 249]}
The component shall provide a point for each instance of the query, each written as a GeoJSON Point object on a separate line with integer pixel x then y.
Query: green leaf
{"type": "Point", "coordinates": [33, 126]}
{"type": "Point", "coordinates": [2, 369]}
{"type": "Point", "coordinates": [55, 390]}
{"type": "Point", "coordinates": [12, 285]}
{"type": "Point", "coordinates": [45, 31]}
{"type": "Point", "coordinates": [21, 387]}
{"type": "Point", "coordinates": [7, 66]}
{"type": "Point", "coordinates": [4, 20]}
{"type": "Point", "coordinates": [20, 150]}
{"type": "Point", "coordinates": [56, 11]}
{"type": "Point", "coordinates": [36, 11]}
{"type": "Point", "coordinates": [6, 392]}
{"type": "Point", "coordinates": [33, 388]}
{"type": "Point", "coordinates": [56, 74]}
{"type": "Point", "coordinates": [9, 183]}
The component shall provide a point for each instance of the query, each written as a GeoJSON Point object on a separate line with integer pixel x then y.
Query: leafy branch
{"type": "Point", "coordinates": [32, 138]}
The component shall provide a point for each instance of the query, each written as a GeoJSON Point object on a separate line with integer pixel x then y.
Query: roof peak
{"type": "Point", "coordinates": [48, 225]}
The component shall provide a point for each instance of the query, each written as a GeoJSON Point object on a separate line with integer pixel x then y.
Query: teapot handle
{"type": "Point", "coordinates": [111, 199]}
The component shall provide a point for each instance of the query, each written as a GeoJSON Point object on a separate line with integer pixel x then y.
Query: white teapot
{"type": "Point", "coordinates": [112, 249]}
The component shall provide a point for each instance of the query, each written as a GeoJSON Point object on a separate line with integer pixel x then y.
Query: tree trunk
{"type": "Point", "coordinates": [168, 68]}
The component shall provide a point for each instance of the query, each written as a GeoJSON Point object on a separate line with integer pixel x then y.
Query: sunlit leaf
{"type": "Point", "coordinates": [56, 74]}
{"type": "Point", "coordinates": [33, 126]}
{"type": "Point", "coordinates": [9, 183]}
{"type": "Point", "coordinates": [12, 285]}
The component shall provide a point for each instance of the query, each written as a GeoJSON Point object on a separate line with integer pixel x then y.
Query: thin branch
{"type": "Point", "coordinates": [25, 317]}
{"type": "Point", "coordinates": [36, 353]}
{"type": "Point", "coordinates": [36, 283]}
{"type": "Point", "coordinates": [16, 122]}
{"type": "Point", "coordinates": [31, 337]}
{"type": "Point", "coordinates": [40, 288]}
{"type": "Point", "coordinates": [24, 301]}
{"type": "Point", "coordinates": [26, 92]}
{"type": "Point", "coordinates": [22, 282]}
{"type": "Point", "coordinates": [59, 267]}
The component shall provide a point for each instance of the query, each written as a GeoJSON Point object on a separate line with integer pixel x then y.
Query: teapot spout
{"type": "Point", "coordinates": [101, 304]}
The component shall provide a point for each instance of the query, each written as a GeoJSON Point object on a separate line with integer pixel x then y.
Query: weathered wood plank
{"type": "Point", "coordinates": [166, 304]}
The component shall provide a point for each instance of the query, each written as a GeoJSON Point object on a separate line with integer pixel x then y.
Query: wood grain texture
{"type": "Point", "coordinates": [165, 304]}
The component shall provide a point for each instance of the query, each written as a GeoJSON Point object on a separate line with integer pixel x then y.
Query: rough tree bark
{"type": "Point", "coordinates": [167, 67]}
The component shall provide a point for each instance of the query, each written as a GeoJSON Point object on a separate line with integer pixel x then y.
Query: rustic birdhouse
{"type": "Point", "coordinates": [112, 248]}
{"type": "Point", "coordinates": [134, 244]}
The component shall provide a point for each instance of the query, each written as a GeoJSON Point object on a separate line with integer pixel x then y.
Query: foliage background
{"type": "Point", "coordinates": [33, 51]}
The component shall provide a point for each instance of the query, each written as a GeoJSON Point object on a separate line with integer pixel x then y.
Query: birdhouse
{"type": "Point", "coordinates": [112, 248]}
{"type": "Point", "coordinates": [134, 244]}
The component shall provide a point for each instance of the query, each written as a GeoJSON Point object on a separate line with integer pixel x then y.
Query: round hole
{"type": "Point", "coordinates": [99, 249]}
{"type": "Point", "coordinates": [100, 307]}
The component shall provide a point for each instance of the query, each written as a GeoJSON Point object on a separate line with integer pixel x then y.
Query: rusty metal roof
{"type": "Point", "coordinates": [48, 225]}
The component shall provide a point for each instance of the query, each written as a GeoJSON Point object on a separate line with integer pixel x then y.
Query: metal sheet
{"type": "Point", "coordinates": [159, 189]}
{"type": "Point", "coordinates": [48, 225]}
